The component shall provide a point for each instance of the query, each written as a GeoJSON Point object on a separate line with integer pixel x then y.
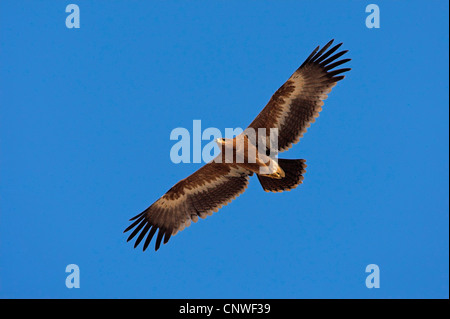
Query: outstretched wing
{"type": "Point", "coordinates": [297, 103]}
{"type": "Point", "coordinates": [199, 195]}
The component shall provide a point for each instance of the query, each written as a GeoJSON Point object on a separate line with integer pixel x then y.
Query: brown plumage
{"type": "Point", "coordinates": [294, 170]}
{"type": "Point", "coordinates": [290, 111]}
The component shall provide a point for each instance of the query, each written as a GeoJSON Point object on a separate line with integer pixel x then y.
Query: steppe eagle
{"type": "Point", "coordinates": [290, 111]}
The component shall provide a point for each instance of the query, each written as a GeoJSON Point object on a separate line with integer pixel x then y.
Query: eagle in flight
{"type": "Point", "coordinates": [290, 111]}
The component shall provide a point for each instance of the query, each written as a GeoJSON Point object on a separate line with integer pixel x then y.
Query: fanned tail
{"type": "Point", "coordinates": [294, 171]}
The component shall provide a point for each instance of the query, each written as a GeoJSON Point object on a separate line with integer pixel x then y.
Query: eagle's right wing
{"type": "Point", "coordinates": [199, 195]}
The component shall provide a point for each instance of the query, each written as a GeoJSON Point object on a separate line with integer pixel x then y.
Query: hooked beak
{"type": "Point", "coordinates": [220, 141]}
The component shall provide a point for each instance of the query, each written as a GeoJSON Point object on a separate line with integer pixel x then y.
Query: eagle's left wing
{"type": "Point", "coordinates": [297, 103]}
{"type": "Point", "coordinates": [199, 195]}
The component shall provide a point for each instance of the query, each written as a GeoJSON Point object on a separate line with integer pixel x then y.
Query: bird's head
{"type": "Point", "coordinates": [224, 143]}
{"type": "Point", "coordinates": [220, 141]}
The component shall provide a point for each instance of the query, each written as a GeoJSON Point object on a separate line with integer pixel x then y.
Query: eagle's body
{"type": "Point", "coordinates": [290, 111]}
{"type": "Point", "coordinates": [244, 152]}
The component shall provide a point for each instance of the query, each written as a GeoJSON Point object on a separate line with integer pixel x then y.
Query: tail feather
{"type": "Point", "coordinates": [294, 170]}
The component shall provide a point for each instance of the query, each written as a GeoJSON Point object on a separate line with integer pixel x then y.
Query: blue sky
{"type": "Point", "coordinates": [85, 120]}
